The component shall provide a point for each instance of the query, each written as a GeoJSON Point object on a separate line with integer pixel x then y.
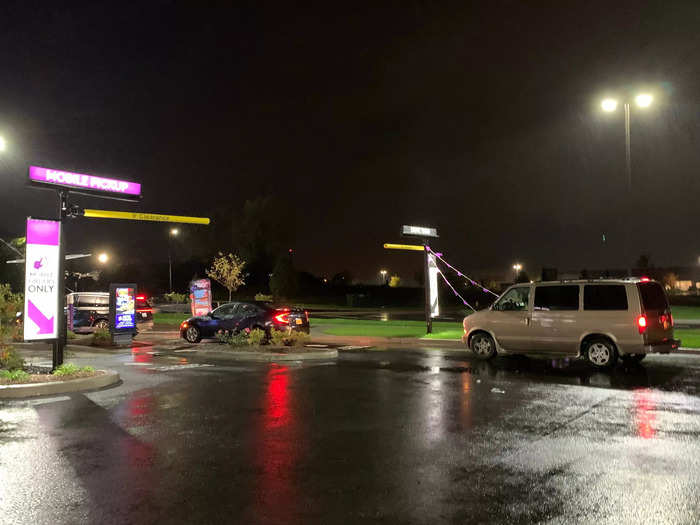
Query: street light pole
{"type": "Point", "coordinates": [173, 232]}
{"type": "Point", "coordinates": [643, 100]}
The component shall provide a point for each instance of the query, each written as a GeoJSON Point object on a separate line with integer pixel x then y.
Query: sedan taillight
{"type": "Point", "coordinates": [282, 318]}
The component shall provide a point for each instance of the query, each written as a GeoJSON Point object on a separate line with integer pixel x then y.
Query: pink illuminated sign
{"type": "Point", "coordinates": [82, 181]}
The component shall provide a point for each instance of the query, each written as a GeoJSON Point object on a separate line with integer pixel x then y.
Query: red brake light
{"type": "Point", "coordinates": [642, 323]}
{"type": "Point", "coordinates": [306, 313]}
{"type": "Point", "coordinates": [141, 297]}
{"type": "Point", "coordinates": [645, 279]}
{"type": "Point", "coordinates": [282, 318]}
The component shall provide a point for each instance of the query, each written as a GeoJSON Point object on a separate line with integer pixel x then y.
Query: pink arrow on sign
{"type": "Point", "coordinates": [45, 325]}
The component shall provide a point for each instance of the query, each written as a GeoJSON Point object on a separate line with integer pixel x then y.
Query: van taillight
{"type": "Point", "coordinates": [642, 323]}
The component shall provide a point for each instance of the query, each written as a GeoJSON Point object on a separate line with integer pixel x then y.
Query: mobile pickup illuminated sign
{"type": "Point", "coordinates": [81, 181]}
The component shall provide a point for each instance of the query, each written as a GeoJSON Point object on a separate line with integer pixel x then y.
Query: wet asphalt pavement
{"type": "Point", "coordinates": [380, 436]}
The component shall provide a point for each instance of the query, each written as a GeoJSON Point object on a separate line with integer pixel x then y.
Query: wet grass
{"type": "Point", "coordinates": [690, 338]}
{"type": "Point", "coordinates": [394, 329]}
{"type": "Point", "coordinates": [169, 318]}
{"type": "Point", "coordinates": [685, 312]}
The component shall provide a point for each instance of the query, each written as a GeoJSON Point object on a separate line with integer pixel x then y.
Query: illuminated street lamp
{"type": "Point", "coordinates": [383, 274]}
{"type": "Point", "coordinates": [643, 100]}
{"type": "Point", "coordinates": [516, 268]}
{"type": "Point", "coordinates": [103, 258]}
{"type": "Point", "coordinates": [3, 144]}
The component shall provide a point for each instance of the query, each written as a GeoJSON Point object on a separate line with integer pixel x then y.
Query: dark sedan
{"type": "Point", "coordinates": [238, 317]}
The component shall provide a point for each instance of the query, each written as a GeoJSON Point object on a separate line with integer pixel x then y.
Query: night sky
{"type": "Point", "coordinates": [481, 119]}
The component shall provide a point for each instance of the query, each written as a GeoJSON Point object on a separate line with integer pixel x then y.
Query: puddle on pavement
{"type": "Point", "coordinates": [516, 368]}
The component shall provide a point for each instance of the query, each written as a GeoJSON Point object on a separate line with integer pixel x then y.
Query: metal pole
{"type": "Point", "coordinates": [170, 267]}
{"type": "Point", "coordinates": [628, 167]}
{"type": "Point", "coordinates": [426, 288]}
{"type": "Point", "coordinates": [60, 341]}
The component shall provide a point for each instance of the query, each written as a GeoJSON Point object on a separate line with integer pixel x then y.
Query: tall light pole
{"type": "Point", "coordinates": [173, 233]}
{"type": "Point", "coordinates": [643, 100]}
{"type": "Point", "coordinates": [383, 274]}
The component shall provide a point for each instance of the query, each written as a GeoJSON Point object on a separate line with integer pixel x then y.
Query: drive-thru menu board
{"type": "Point", "coordinates": [122, 308]}
{"type": "Point", "coordinates": [41, 280]}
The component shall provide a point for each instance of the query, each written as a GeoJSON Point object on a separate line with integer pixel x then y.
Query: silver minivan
{"type": "Point", "coordinates": [599, 320]}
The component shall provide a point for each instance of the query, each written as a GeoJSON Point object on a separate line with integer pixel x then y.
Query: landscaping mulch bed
{"type": "Point", "coordinates": [42, 374]}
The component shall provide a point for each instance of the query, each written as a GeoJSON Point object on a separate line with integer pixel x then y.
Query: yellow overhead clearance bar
{"type": "Point", "coordinates": [155, 217]}
{"type": "Point", "coordinates": [414, 247]}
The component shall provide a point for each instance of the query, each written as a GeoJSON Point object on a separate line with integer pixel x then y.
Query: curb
{"type": "Point", "coordinates": [109, 378]}
{"type": "Point", "coordinates": [268, 357]}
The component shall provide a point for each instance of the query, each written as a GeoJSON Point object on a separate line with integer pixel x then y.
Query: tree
{"type": "Point", "coordinates": [670, 281]}
{"type": "Point", "coordinates": [227, 270]}
{"type": "Point", "coordinates": [395, 281]}
{"type": "Point", "coordinates": [10, 304]}
{"type": "Point", "coordinates": [285, 280]}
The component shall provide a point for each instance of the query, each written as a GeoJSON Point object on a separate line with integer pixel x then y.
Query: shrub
{"type": "Point", "coordinates": [238, 340]}
{"type": "Point", "coordinates": [10, 304]}
{"type": "Point", "coordinates": [10, 359]}
{"type": "Point", "coordinates": [278, 337]}
{"type": "Point", "coordinates": [14, 375]}
{"type": "Point", "coordinates": [257, 337]}
{"type": "Point", "coordinates": [263, 297]}
{"type": "Point", "coordinates": [175, 298]}
{"type": "Point", "coordinates": [299, 338]}
{"type": "Point", "coordinates": [101, 337]}
{"type": "Point", "coordinates": [70, 334]}
{"type": "Point", "coordinates": [69, 369]}
{"type": "Point", "coordinates": [288, 338]}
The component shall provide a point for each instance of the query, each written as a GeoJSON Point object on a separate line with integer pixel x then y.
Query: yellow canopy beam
{"type": "Point", "coordinates": [414, 247]}
{"type": "Point", "coordinates": [156, 217]}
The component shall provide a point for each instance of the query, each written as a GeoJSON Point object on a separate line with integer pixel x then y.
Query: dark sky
{"type": "Point", "coordinates": [480, 119]}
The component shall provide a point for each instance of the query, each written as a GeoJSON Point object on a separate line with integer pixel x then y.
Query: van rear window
{"type": "Point", "coordinates": [604, 297]}
{"type": "Point", "coordinates": [653, 296]}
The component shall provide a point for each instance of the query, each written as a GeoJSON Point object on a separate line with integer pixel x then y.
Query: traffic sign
{"type": "Point", "coordinates": [135, 216]}
{"type": "Point", "coordinates": [414, 247]}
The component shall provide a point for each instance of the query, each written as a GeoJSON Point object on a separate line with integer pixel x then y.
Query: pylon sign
{"type": "Point", "coordinates": [433, 271]}
{"type": "Point", "coordinates": [42, 280]}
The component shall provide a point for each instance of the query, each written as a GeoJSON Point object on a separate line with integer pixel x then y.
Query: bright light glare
{"type": "Point", "coordinates": [174, 231]}
{"type": "Point", "coordinates": [609, 104]}
{"type": "Point", "coordinates": [383, 272]}
{"type": "Point", "coordinates": [517, 267]}
{"type": "Point", "coordinates": [3, 144]}
{"type": "Point", "coordinates": [643, 100]}
{"type": "Point", "coordinates": [103, 257]}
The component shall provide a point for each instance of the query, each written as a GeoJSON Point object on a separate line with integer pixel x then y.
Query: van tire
{"type": "Point", "coordinates": [483, 346]}
{"type": "Point", "coordinates": [601, 352]}
{"type": "Point", "coordinates": [102, 324]}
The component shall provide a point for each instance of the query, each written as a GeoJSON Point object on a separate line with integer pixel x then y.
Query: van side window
{"type": "Point", "coordinates": [605, 297]}
{"type": "Point", "coordinates": [514, 299]}
{"type": "Point", "coordinates": [556, 297]}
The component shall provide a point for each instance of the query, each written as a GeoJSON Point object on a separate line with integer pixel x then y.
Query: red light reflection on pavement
{"type": "Point", "coordinates": [278, 447]}
{"type": "Point", "coordinates": [644, 406]}
{"type": "Point", "coordinates": [141, 355]}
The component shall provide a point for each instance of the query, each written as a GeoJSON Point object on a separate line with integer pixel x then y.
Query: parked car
{"type": "Point", "coordinates": [244, 316]}
{"type": "Point", "coordinates": [599, 320]}
{"type": "Point", "coordinates": [91, 311]}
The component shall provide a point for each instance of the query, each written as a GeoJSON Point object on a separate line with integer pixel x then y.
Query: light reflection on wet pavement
{"type": "Point", "coordinates": [378, 436]}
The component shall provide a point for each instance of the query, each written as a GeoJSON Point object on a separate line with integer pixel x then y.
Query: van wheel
{"type": "Point", "coordinates": [631, 359]}
{"type": "Point", "coordinates": [483, 346]}
{"type": "Point", "coordinates": [601, 353]}
{"type": "Point", "coordinates": [102, 324]}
